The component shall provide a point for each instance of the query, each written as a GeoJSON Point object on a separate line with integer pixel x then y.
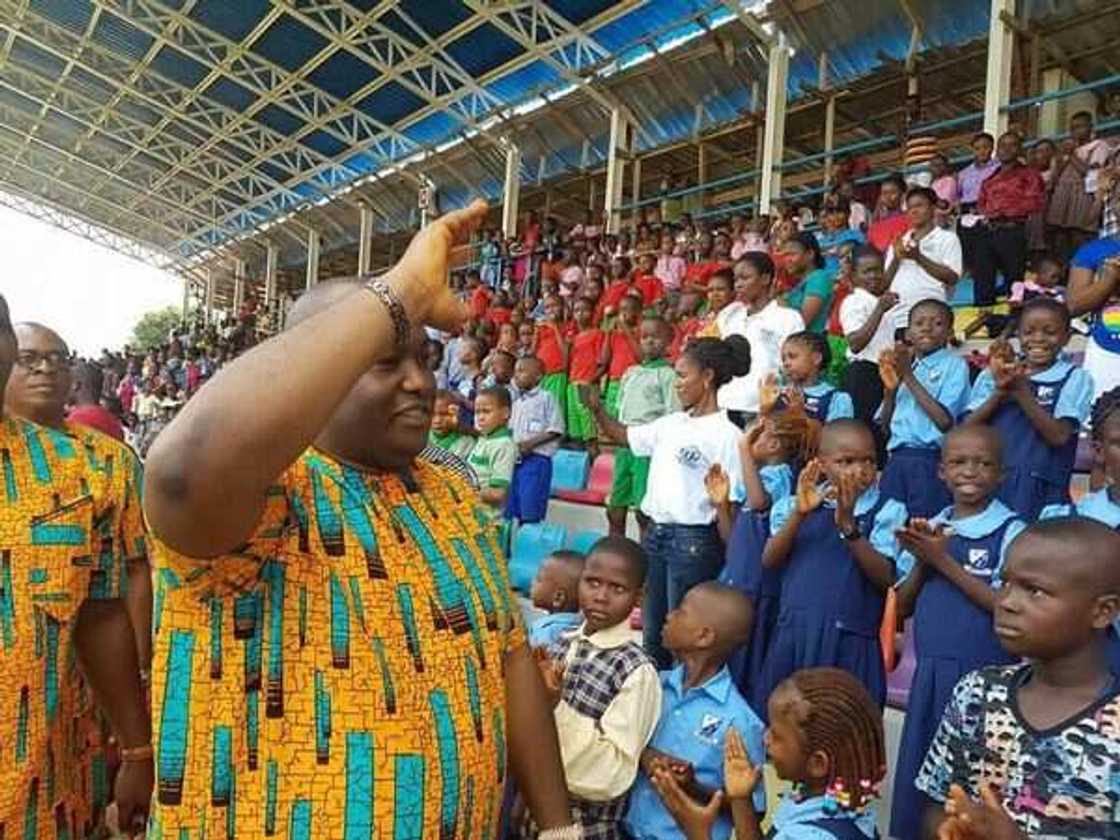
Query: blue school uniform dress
{"type": "Point", "coordinates": [815, 819]}
{"type": "Point", "coordinates": [825, 403]}
{"type": "Point", "coordinates": [830, 612]}
{"type": "Point", "coordinates": [1038, 474]}
{"type": "Point", "coordinates": [914, 446]}
{"type": "Point", "coordinates": [1101, 507]}
{"type": "Point", "coordinates": [694, 723]}
{"type": "Point", "coordinates": [547, 630]}
{"type": "Point", "coordinates": [743, 570]}
{"type": "Point", "coordinates": [952, 636]}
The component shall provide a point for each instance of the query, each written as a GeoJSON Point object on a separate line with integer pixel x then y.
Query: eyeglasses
{"type": "Point", "coordinates": [32, 360]}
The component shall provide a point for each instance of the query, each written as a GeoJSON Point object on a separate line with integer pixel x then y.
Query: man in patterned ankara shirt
{"type": "Point", "coordinates": [66, 527]}
{"type": "Point", "coordinates": [337, 651]}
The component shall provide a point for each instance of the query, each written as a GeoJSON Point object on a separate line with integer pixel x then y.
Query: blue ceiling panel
{"type": "Point", "coordinates": [390, 102]}
{"type": "Point", "coordinates": [289, 43]}
{"type": "Point", "coordinates": [435, 16]}
{"type": "Point", "coordinates": [234, 20]}
{"type": "Point", "coordinates": [342, 75]}
{"type": "Point", "coordinates": [483, 49]}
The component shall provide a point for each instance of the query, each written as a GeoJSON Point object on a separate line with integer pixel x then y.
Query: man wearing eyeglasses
{"type": "Point", "coordinates": [71, 546]}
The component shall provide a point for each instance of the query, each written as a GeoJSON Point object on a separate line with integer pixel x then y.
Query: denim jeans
{"type": "Point", "coordinates": [679, 556]}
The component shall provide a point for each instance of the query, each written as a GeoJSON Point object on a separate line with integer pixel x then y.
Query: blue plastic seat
{"type": "Point", "coordinates": [531, 544]}
{"type": "Point", "coordinates": [569, 469]}
{"type": "Point", "coordinates": [582, 541]}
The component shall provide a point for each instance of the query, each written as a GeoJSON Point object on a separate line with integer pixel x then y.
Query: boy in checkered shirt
{"type": "Point", "coordinates": [605, 688]}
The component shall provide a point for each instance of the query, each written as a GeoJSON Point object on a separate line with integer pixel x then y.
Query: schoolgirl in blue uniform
{"type": "Point", "coordinates": [925, 391]}
{"type": "Point", "coordinates": [1103, 505]}
{"type": "Point", "coordinates": [805, 358]}
{"type": "Point", "coordinates": [949, 569]}
{"type": "Point", "coordinates": [835, 542]}
{"type": "Point", "coordinates": [770, 453]}
{"type": "Point", "coordinates": [1038, 404]}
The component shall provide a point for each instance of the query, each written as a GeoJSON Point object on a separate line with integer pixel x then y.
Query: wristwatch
{"type": "Point", "coordinates": [852, 534]}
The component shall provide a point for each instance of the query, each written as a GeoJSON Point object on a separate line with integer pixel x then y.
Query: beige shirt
{"type": "Point", "coordinates": [601, 757]}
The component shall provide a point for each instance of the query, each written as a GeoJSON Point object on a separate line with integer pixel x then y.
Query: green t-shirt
{"type": "Point", "coordinates": [454, 442]}
{"type": "Point", "coordinates": [493, 458]}
{"type": "Point", "coordinates": [647, 391]}
{"type": "Point", "coordinates": [817, 284]}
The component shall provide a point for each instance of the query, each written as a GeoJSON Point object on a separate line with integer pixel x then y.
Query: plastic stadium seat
{"type": "Point", "coordinates": [569, 469]}
{"type": "Point", "coordinates": [598, 483]}
{"type": "Point", "coordinates": [531, 544]}
{"type": "Point", "coordinates": [582, 541]}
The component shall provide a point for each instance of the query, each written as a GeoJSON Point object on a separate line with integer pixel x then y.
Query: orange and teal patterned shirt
{"type": "Point", "coordinates": [341, 676]}
{"type": "Point", "coordinates": [70, 521]}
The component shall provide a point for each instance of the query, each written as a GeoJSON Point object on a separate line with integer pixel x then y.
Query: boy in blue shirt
{"type": "Point", "coordinates": [699, 706]}
{"type": "Point", "coordinates": [555, 590]}
{"type": "Point", "coordinates": [925, 390]}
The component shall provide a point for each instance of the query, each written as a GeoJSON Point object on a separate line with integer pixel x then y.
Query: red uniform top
{"type": "Point", "coordinates": [651, 287]}
{"type": "Point", "coordinates": [480, 302]}
{"type": "Point", "coordinates": [614, 293]}
{"type": "Point", "coordinates": [682, 332]}
{"type": "Point", "coordinates": [583, 360]}
{"type": "Point", "coordinates": [550, 349]}
{"type": "Point", "coordinates": [884, 232]}
{"type": "Point", "coordinates": [698, 274]}
{"type": "Point", "coordinates": [98, 418]}
{"type": "Point", "coordinates": [1012, 193]}
{"type": "Point", "coordinates": [625, 352]}
{"type": "Point", "coordinates": [499, 315]}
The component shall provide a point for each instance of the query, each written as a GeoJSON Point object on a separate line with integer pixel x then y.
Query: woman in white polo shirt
{"type": "Point", "coordinates": [764, 321]}
{"type": "Point", "coordinates": [924, 262]}
{"type": "Point", "coordinates": [683, 544]}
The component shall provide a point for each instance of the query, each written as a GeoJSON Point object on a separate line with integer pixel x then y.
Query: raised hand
{"type": "Point", "coordinates": [846, 492]}
{"type": "Point", "coordinates": [810, 495]}
{"type": "Point", "coordinates": [903, 358]}
{"type": "Point", "coordinates": [718, 485]}
{"type": "Point", "coordinates": [769, 392]}
{"type": "Point", "coordinates": [420, 278]}
{"type": "Point", "coordinates": [888, 371]}
{"type": "Point", "coordinates": [983, 820]}
{"type": "Point", "coordinates": [887, 301]}
{"type": "Point", "coordinates": [695, 820]}
{"type": "Point", "coordinates": [589, 394]}
{"type": "Point", "coordinates": [923, 539]}
{"type": "Point", "coordinates": [740, 775]}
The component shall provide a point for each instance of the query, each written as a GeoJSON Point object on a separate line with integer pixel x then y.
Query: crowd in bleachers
{"type": "Point", "coordinates": [792, 407]}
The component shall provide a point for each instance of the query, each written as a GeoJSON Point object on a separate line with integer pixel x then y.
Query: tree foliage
{"type": "Point", "coordinates": [154, 327]}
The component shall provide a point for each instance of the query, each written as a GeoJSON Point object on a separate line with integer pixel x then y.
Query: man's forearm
{"type": "Point", "coordinates": [106, 646]}
{"type": "Point", "coordinates": [534, 749]}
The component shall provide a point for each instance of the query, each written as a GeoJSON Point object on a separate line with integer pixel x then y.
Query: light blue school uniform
{"type": "Point", "coordinates": [1098, 505]}
{"type": "Point", "coordinates": [812, 819]}
{"type": "Point", "coordinates": [825, 403]}
{"type": "Point", "coordinates": [829, 611]}
{"type": "Point", "coordinates": [972, 528]}
{"type": "Point", "coordinates": [547, 630]}
{"type": "Point", "coordinates": [1037, 474]}
{"type": "Point", "coordinates": [915, 441]}
{"type": "Point", "coordinates": [694, 723]}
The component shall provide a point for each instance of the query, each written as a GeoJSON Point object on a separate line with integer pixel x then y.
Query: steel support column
{"type": "Point", "coordinates": [617, 152]}
{"type": "Point", "coordinates": [997, 89]}
{"type": "Point", "coordinates": [314, 243]}
{"type": "Point", "coordinates": [238, 285]}
{"type": "Point", "coordinates": [271, 302]}
{"type": "Point", "coordinates": [211, 282]}
{"type": "Point", "coordinates": [186, 299]}
{"type": "Point", "coordinates": [511, 191]}
{"type": "Point", "coordinates": [636, 189]}
{"type": "Point", "coordinates": [365, 240]}
{"type": "Point", "coordinates": [773, 144]}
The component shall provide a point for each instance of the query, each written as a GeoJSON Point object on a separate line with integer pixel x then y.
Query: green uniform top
{"type": "Point", "coordinates": [493, 458]}
{"type": "Point", "coordinates": [648, 391]}
{"type": "Point", "coordinates": [456, 443]}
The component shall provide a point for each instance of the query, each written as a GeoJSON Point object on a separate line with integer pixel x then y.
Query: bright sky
{"type": "Point", "coordinates": [88, 294]}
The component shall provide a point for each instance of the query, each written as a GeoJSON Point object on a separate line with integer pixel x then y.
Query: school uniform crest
{"type": "Point", "coordinates": [709, 726]}
{"type": "Point", "coordinates": [979, 561]}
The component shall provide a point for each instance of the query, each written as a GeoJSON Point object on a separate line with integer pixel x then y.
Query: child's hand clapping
{"type": "Point", "coordinates": [718, 485]}
{"type": "Point", "coordinates": [740, 775]}
{"type": "Point", "coordinates": [769, 392]}
{"type": "Point", "coordinates": [846, 492]}
{"type": "Point", "coordinates": [1006, 370]}
{"type": "Point", "coordinates": [888, 370]}
{"type": "Point", "coordinates": [983, 820]}
{"type": "Point", "coordinates": [552, 673]}
{"type": "Point", "coordinates": [810, 495]}
{"type": "Point", "coordinates": [695, 820]}
{"type": "Point", "coordinates": [923, 539]}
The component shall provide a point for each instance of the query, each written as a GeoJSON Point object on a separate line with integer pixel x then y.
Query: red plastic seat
{"type": "Point", "coordinates": [599, 482]}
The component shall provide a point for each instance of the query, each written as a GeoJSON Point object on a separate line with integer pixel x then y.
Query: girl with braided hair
{"type": "Point", "coordinates": [826, 737]}
{"type": "Point", "coordinates": [772, 452]}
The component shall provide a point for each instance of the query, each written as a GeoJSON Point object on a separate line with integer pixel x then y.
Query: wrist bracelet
{"type": "Point", "coordinates": [567, 832]}
{"type": "Point", "coordinates": [402, 326]}
{"type": "Point", "coordinates": [133, 754]}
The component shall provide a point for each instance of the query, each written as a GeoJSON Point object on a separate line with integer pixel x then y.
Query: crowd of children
{"type": "Point", "coordinates": [812, 462]}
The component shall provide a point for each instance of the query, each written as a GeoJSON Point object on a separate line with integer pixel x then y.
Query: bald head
{"type": "Point", "coordinates": [40, 383]}
{"type": "Point", "coordinates": [728, 612]}
{"type": "Point", "coordinates": [1089, 550]}
{"type": "Point", "coordinates": [319, 297]}
{"type": "Point", "coordinates": [36, 335]}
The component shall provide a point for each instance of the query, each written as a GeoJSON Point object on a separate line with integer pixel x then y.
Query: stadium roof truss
{"type": "Point", "coordinates": [183, 132]}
